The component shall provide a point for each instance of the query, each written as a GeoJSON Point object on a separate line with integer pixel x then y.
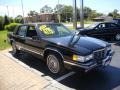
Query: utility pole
{"type": "Point", "coordinates": [74, 15]}
{"type": "Point", "coordinates": [81, 14]}
{"type": "Point", "coordinates": [23, 11]}
{"type": "Point", "coordinates": [59, 12]}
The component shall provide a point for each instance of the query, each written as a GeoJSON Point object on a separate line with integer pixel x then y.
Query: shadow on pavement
{"type": "Point", "coordinates": [102, 79]}
{"type": "Point", "coordinates": [35, 63]}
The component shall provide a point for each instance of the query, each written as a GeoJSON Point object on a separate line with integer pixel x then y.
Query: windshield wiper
{"type": "Point", "coordinates": [74, 39]}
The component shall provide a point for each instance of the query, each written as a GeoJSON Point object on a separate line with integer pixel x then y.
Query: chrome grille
{"type": "Point", "coordinates": [99, 54]}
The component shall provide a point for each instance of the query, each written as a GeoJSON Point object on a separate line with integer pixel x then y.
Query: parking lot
{"type": "Point", "coordinates": [99, 79]}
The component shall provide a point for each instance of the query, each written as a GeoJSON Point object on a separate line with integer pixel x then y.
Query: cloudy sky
{"type": "Point", "coordinates": [15, 8]}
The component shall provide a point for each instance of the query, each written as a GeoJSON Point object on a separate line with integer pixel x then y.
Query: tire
{"type": "Point", "coordinates": [117, 37]}
{"type": "Point", "coordinates": [55, 63]}
{"type": "Point", "coordinates": [15, 50]}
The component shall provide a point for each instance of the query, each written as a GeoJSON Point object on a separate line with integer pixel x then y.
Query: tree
{"type": "Point", "coordinates": [5, 21]}
{"type": "Point", "coordinates": [114, 14]}
{"type": "Point", "coordinates": [87, 12]}
{"type": "Point", "coordinates": [100, 14]}
{"type": "Point", "coordinates": [11, 19]}
{"type": "Point", "coordinates": [32, 13]}
{"type": "Point", "coordinates": [46, 9]}
{"type": "Point", "coordinates": [19, 19]}
{"type": "Point", "coordinates": [67, 13]}
{"type": "Point", "coordinates": [58, 8]}
{"type": "Point", "coordinates": [93, 14]}
{"type": "Point", "coordinates": [1, 22]}
{"type": "Point", "coordinates": [110, 14]}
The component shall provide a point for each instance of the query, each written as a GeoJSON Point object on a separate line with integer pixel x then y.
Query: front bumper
{"type": "Point", "coordinates": [91, 65]}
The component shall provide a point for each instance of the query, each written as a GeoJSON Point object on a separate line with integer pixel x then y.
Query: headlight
{"type": "Point", "coordinates": [108, 48]}
{"type": "Point", "coordinates": [82, 58]}
{"type": "Point", "coordinates": [89, 57]}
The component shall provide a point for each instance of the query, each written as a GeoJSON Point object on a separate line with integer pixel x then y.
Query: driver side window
{"type": "Point", "coordinates": [31, 31]}
{"type": "Point", "coordinates": [101, 26]}
{"type": "Point", "coordinates": [22, 31]}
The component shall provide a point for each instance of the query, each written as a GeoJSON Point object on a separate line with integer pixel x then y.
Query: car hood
{"type": "Point", "coordinates": [84, 45]}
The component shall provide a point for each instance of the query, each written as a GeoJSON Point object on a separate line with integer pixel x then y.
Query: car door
{"type": "Point", "coordinates": [20, 36]}
{"type": "Point", "coordinates": [33, 42]}
{"type": "Point", "coordinates": [103, 30]}
{"type": "Point", "coordinates": [109, 30]}
{"type": "Point", "coordinates": [99, 31]}
{"type": "Point", "coordinates": [113, 29]}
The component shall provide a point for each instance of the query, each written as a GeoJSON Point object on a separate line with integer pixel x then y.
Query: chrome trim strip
{"type": "Point", "coordinates": [34, 52]}
{"type": "Point", "coordinates": [99, 50]}
{"type": "Point", "coordinates": [30, 50]}
{"type": "Point", "coordinates": [73, 64]}
{"type": "Point", "coordinates": [85, 67]}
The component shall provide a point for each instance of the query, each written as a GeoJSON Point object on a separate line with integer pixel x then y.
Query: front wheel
{"type": "Point", "coordinates": [55, 63]}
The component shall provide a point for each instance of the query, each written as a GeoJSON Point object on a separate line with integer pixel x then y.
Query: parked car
{"type": "Point", "coordinates": [117, 21]}
{"type": "Point", "coordinates": [59, 47]}
{"type": "Point", "coordinates": [103, 30]}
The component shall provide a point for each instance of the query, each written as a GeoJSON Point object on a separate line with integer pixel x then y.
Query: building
{"type": "Point", "coordinates": [43, 17]}
{"type": "Point", "coordinates": [103, 18]}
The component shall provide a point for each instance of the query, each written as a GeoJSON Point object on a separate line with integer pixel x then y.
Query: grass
{"type": "Point", "coordinates": [3, 40]}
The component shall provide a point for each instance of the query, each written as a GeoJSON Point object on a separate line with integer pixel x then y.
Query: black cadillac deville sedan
{"type": "Point", "coordinates": [59, 47]}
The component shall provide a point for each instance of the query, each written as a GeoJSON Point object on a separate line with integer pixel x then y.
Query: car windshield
{"type": "Point", "coordinates": [92, 26]}
{"type": "Point", "coordinates": [54, 30]}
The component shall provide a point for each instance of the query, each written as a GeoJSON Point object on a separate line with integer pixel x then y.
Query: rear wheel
{"type": "Point", "coordinates": [55, 63]}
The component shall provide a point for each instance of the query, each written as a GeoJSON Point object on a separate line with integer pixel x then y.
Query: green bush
{"type": "Point", "coordinates": [10, 27]}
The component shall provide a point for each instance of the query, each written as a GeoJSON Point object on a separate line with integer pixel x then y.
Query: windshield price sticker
{"type": "Point", "coordinates": [46, 30]}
